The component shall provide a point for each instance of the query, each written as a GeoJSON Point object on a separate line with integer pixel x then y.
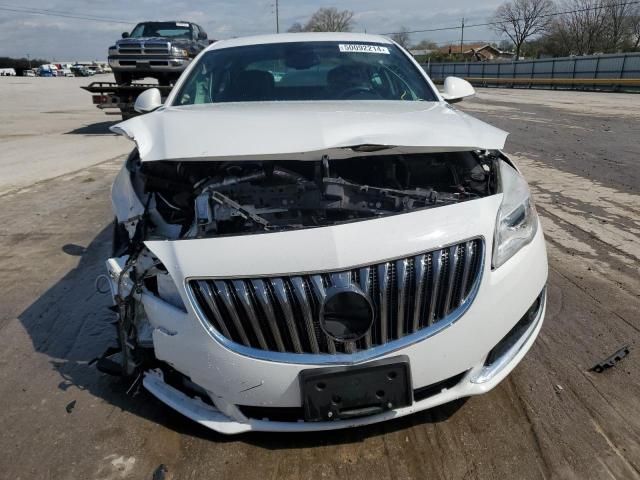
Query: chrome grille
{"type": "Point", "coordinates": [281, 314]}
{"type": "Point", "coordinates": [144, 48]}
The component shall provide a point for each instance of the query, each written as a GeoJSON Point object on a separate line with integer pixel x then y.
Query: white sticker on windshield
{"type": "Point", "coordinates": [360, 48]}
{"type": "Point", "coordinates": [181, 24]}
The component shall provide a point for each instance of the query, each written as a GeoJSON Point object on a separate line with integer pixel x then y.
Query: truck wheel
{"type": "Point", "coordinates": [122, 78]}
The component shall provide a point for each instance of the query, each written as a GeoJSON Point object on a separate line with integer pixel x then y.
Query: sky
{"type": "Point", "coordinates": [69, 39]}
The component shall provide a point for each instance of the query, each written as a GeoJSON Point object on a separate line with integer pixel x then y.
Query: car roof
{"type": "Point", "coordinates": [165, 21]}
{"type": "Point", "coordinates": [299, 37]}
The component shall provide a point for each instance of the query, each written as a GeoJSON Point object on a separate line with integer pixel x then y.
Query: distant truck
{"type": "Point", "coordinates": [48, 70]}
{"type": "Point", "coordinates": [160, 50]}
{"type": "Point", "coordinates": [81, 71]}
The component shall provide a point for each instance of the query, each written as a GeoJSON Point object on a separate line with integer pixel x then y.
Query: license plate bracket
{"type": "Point", "coordinates": [335, 393]}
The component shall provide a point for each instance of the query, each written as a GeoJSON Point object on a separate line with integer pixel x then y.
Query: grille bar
{"type": "Point", "coordinates": [402, 269]}
{"type": "Point", "coordinates": [285, 304]}
{"type": "Point", "coordinates": [383, 289]}
{"type": "Point", "coordinates": [420, 277]}
{"type": "Point", "coordinates": [247, 304]}
{"type": "Point", "coordinates": [262, 292]}
{"type": "Point", "coordinates": [143, 48]}
{"type": "Point", "coordinates": [282, 314]}
{"type": "Point", "coordinates": [307, 314]}
{"type": "Point", "coordinates": [435, 287]}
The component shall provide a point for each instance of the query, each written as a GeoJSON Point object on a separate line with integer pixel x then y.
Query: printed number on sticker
{"type": "Point", "coordinates": [360, 48]}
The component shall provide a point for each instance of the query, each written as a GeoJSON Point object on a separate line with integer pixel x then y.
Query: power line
{"type": "Point", "coordinates": [62, 14]}
{"type": "Point", "coordinates": [458, 27]}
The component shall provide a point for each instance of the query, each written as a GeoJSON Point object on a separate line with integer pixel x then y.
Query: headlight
{"type": "Point", "coordinates": [113, 51]}
{"type": "Point", "coordinates": [517, 221]}
{"type": "Point", "coordinates": [179, 52]}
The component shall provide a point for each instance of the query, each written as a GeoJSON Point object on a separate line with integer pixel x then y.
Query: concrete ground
{"type": "Point", "coordinates": [48, 127]}
{"type": "Point", "coordinates": [552, 418]}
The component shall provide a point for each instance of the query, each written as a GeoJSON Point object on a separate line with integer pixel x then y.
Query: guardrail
{"type": "Point", "coordinates": [551, 82]}
{"type": "Point", "coordinates": [596, 72]}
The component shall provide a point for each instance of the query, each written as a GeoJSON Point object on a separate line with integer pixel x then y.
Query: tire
{"type": "Point", "coordinates": [123, 78]}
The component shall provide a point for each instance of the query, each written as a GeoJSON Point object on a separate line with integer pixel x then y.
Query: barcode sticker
{"type": "Point", "coordinates": [362, 48]}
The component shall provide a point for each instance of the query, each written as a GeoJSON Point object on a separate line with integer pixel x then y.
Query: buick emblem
{"type": "Point", "coordinates": [346, 314]}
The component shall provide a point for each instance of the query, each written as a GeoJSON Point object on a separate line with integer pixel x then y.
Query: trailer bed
{"type": "Point", "coordinates": [117, 99]}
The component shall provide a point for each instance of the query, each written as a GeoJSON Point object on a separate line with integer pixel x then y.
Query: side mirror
{"type": "Point", "coordinates": [202, 35]}
{"type": "Point", "coordinates": [125, 34]}
{"type": "Point", "coordinates": [455, 89]}
{"type": "Point", "coordinates": [148, 101]}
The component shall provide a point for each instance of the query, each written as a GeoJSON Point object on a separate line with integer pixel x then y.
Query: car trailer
{"type": "Point", "coordinates": [117, 99]}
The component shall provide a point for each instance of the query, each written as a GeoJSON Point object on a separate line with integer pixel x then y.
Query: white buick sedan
{"type": "Point", "coordinates": [309, 236]}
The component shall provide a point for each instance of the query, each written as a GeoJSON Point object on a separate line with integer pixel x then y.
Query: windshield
{"type": "Point", "coordinates": [304, 71]}
{"type": "Point", "coordinates": [162, 29]}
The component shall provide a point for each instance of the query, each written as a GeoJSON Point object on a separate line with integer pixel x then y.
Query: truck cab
{"type": "Point", "coordinates": [160, 50]}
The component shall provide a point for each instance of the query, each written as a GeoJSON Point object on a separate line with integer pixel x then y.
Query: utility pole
{"type": "Point", "coordinates": [277, 18]}
{"type": "Point", "coordinates": [29, 59]}
{"type": "Point", "coordinates": [461, 35]}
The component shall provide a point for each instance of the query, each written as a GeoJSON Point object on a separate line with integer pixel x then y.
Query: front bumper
{"type": "Point", "coordinates": [478, 380]}
{"type": "Point", "coordinates": [124, 63]}
{"type": "Point", "coordinates": [234, 380]}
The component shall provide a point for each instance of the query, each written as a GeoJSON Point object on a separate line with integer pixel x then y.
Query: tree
{"type": "Point", "coordinates": [20, 64]}
{"type": "Point", "coordinates": [296, 28]}
{"type": "Point", "coordinates": [583, 26]}
{"type": "Point", "coordinates": [330, 20]}
{"type": "Point", "coordinates": [634, 28]}
{"type": "Point", "coordinates": [522, 19]}
{"type": "Point", "coordinates": [425, 45]}
{"type": "Point", "coordinates": [401, 37]}
{"type": "Point", "coordinates": [505, 45]}
{"type": "Point", "coordinates": [616, 29]}
{"type": "Point", "coordinates": [553, 43]}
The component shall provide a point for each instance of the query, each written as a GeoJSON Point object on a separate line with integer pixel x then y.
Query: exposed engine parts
{"type": "Point", "coordinates": [204, 199]}
{"type": "Point", "coordinates": [183, 200]}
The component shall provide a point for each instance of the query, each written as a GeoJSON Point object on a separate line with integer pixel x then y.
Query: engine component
{"type": "Point", "coordinates": [201, 199]}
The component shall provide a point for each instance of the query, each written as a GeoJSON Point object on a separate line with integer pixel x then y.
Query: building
{"type": "Point", "coordinates": [486, 53]}
{"type": "Point", "coordinates": [473, 52]}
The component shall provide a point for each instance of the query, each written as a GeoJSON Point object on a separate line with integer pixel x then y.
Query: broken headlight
{"type": "Point", "coordinates": [517, 221]}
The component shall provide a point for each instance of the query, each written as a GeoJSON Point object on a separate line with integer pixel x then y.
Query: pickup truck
{"type": "Point", "coordinates": [160, 50]}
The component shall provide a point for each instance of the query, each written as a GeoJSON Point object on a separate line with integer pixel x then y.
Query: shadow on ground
{"type": "Point", "coordinates": [98, 128]}
{"type": "Point", "coordinates": [72, 324]}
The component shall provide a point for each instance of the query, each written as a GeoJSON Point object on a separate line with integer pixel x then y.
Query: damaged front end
{"type": "Point", "coordinates": [186, 200]}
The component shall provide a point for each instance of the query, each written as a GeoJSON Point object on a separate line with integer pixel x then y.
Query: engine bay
{"type": "Point", "coordinates": [205, 199]}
